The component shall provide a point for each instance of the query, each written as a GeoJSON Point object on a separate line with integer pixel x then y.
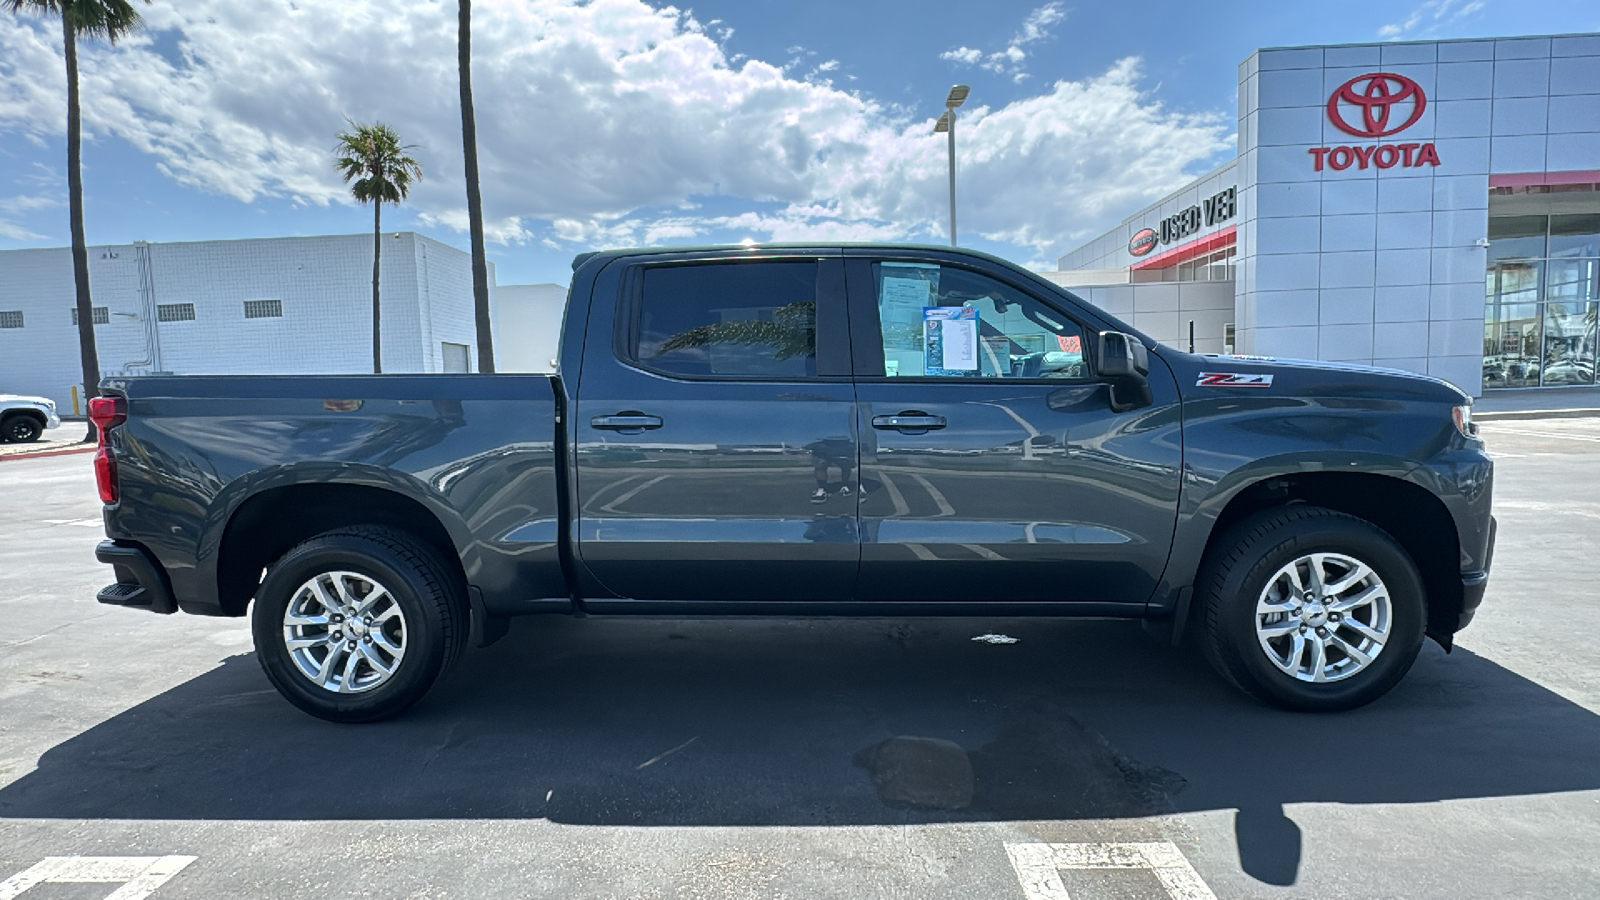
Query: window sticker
{"type": "Point", "coordinates": [950, 339]}
{"type": "Point", "coordinates": [906, 289]}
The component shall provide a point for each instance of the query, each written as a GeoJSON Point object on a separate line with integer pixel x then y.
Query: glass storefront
{"type": "Point", "coordinates": [1542, 294]}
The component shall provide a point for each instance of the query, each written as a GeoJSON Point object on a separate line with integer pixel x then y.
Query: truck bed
{"type": "Point", "coordinates": [470, 459]}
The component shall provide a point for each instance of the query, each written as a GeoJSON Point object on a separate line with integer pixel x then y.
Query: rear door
{"type": "Point", "coordinates": [717, 450]}
{"type": "Point", "coordinates": [992, 464]}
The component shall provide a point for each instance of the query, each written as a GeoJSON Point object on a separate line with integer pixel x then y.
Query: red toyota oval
{"type": "Point", "coordinates": [1143, 242]}
{"type": "Point", "coordinates": [1379, 94]}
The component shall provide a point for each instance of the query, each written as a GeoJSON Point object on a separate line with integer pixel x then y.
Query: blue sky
{"type": "Point", "coordinates": [620, 122]}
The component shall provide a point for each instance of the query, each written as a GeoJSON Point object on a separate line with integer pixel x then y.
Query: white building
{"type": "Point", "coordinates": [1424, 206]}
{"type": "Point", "coordinates": [527, 326]}
{"type": "Point", "coordinates": [267, 306]}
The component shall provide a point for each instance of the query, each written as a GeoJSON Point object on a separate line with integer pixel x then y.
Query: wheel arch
{"type": "Point", "coordinates": [270, 522]}
{"type": "Point", "coordinates": [26, 413]}
{"type": "Point", "coordinates": [1411, 514]}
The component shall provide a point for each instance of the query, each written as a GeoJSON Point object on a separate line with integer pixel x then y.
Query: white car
{"type": "Point", "coordinates": [23, 419]}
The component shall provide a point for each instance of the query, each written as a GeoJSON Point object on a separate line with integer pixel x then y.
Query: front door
{"type": "Point", "coordinates": [717, 451]}
{"type": "Point", "coordinates": [992, 464]}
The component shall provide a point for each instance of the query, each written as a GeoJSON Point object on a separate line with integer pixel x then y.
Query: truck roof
{"type": "Point", "coordinates": [582, 258]}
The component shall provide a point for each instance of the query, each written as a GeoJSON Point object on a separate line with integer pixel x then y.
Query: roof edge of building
{"type": "Point", "coordinates": [1475, 40]}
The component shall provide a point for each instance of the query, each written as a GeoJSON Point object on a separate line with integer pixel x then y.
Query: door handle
{"type": "Point", "coordinates": [629, 421]}
{"type": "Point", "coordinates": [908, 421]}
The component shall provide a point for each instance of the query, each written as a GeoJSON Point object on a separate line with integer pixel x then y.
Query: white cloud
{"type": "Point", "coordinates": [1012, 60]}
{"type": "Point", "coordinates": [969, 56]}
{"type": "Point", "coordinates": [600, 123]}
{"type": "Point", "coordinates": [1430, 17]}
{"type": "Point", "coordinates": [13, 207]}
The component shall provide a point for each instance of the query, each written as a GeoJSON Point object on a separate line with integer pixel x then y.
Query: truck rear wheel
{"type": "Point", "coordinates": [1311, 609]}
{"type": "Point", "coordinates": [355, 625]}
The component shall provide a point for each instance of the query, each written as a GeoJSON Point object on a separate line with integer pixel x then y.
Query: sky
{"type": "Point", "coordinates": [613, 123]}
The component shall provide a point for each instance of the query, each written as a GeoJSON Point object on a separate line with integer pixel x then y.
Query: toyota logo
{"type": "Point", "coordinates": [1376, 95]}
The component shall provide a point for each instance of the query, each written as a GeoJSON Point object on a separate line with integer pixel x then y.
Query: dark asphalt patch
{"type": "Point", "coordinates": [1044, 763]}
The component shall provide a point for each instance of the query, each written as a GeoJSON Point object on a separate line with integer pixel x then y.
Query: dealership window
{"type": "Point", "coordinates": [951, 322]}
{"type": "Point", "coordinates": [1216, 266]}
{"type": "Point", "coordinates": [456, 358]}
{"type": "Point", "coordinates": [754, 320]}
{"type": "Point", "coordinates": [99, 315]}
{"type": "Point", "coordinates": [1542, 296]}
{"type": "Point", "coordinates": [10, 318]}
{"type": "Point", "coordinates": [263, 309]}
{"type": "Point", "coordinates": [175, 312]}
{"type": "Point", "coordinates": [1228, 334]}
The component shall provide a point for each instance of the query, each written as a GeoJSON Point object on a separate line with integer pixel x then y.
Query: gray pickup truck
{"type": "Point", "coordinates": [804, 431]}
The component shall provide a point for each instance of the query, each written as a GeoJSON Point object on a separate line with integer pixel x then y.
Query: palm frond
{"type": "Point", "coordinates": [105, 19]}
{"type": "Point", "coordinates": [371, 156]}
{"type": "Point", "coordinates": [792, 332]}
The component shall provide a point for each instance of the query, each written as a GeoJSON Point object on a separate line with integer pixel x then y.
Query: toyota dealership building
{"type": "Point", "coordinates": [1425, 206]}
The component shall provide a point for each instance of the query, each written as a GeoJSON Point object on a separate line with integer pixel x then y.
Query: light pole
{"type": "Point", "coordinates": [947, 124]}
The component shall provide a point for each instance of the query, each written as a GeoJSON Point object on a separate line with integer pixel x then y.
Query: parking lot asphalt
{"type": "Point", "coordinates": [747, 758]}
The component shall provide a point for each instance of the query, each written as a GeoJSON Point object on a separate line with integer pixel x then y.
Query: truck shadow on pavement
{"type": "Point", "coordinates": [766, 722]}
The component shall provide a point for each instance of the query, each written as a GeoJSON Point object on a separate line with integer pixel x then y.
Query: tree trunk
{"type": "Point", "coordinates": [469, 148]}
{"type": "Point", "coordinates": [377, 313]}
{"type": "Point", "coordinates": [89, 356]}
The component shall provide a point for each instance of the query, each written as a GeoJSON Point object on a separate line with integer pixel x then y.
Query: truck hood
{"type": "Point", "coordinates": [1210, 375]}
{"type": "Point", "coordinates": [22, 398]}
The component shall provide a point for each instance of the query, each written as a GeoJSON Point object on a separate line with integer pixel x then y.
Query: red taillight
{"type": "Point", "coordinates": [107, 413]}
{"type": "Point", "coordinates": [105, 474]}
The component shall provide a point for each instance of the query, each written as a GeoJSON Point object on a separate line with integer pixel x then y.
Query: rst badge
{"type": "Point", "coordinates": [1233, 379]}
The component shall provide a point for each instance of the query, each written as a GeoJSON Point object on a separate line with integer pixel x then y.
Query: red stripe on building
{"type": "Point", "coordinates": [1530, 179]}
{"type": "Point", "coordinates": [1195, 249]}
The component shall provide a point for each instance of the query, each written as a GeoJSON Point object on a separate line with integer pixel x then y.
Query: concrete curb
{"type": "Point", "coordinates": [1513, 415]}
{"type": "Point", "coordinates": [40, 454]}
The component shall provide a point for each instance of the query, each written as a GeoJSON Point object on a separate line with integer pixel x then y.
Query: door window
{"type": "Point", "coordinates": [949, 322]}
{"type": "Point", "coordinates": [750, 320]}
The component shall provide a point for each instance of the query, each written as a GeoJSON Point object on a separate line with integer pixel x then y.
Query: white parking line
{"type": "Point", "coordinates": [1549, 434]}
{"type": "Point", "coordinates": [945, 509]}
{"type": "Point", "coordinates": [1039, 866]}
{"type": "Point", "coordinates": [138, 875]}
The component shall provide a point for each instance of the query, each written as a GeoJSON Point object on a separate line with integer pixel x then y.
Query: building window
{"type": "Point", "coordinates": [1227, 338]}
{"type": "Point", "coordinates": [1541, 300]}
{"type": "Point", "coordinates": [101, 315]}
{"type": "Point", "coordinates": [456, 360]}
{"type": "Point", "coordinates": [10, 318]}
{"type": "Point", "coordinates": [1217, 266]}
{"type": "Point", "coordinates": [263, 309]}
{"type": "Point", "coordinates": [175, 312]}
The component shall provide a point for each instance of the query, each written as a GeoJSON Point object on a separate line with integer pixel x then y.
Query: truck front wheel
{"type": "Point", "coordinates": [1311, 609]}
{"type": "Point", "coordinates": [355, 625]}
{"type": "Point", "coordinates": [20, 428]}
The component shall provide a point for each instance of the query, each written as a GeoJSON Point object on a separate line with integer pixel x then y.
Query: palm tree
{"type": "Point", "coordinates": [469, 147]}
{"type": "Point", "coordinates": [383, 169]}
{"type": "Point", "coordinates": [108, 20]}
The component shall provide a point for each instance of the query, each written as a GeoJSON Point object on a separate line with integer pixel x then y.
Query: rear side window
{"type": "Point", "coordinates": [752, 320]}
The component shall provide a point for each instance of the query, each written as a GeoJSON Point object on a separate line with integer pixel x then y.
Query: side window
{"type": "Point", "coordinates": [938, 320]}
{"type": "Point", "coordinates": [756, 319]}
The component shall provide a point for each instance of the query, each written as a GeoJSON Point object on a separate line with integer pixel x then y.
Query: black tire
{"type": "Point", "coordinates": [1237, 571]}
{"type": "Point", "coordinates": [430, 599]}
{"type": "Point", "coordinates": [20, 428]}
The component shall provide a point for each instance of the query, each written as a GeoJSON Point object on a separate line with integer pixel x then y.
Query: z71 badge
{"type": "Point", "coordinates": [1233, 379]}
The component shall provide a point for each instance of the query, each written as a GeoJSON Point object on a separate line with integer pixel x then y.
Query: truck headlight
{"type": "Point", "coordinates": [1463, 419]}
